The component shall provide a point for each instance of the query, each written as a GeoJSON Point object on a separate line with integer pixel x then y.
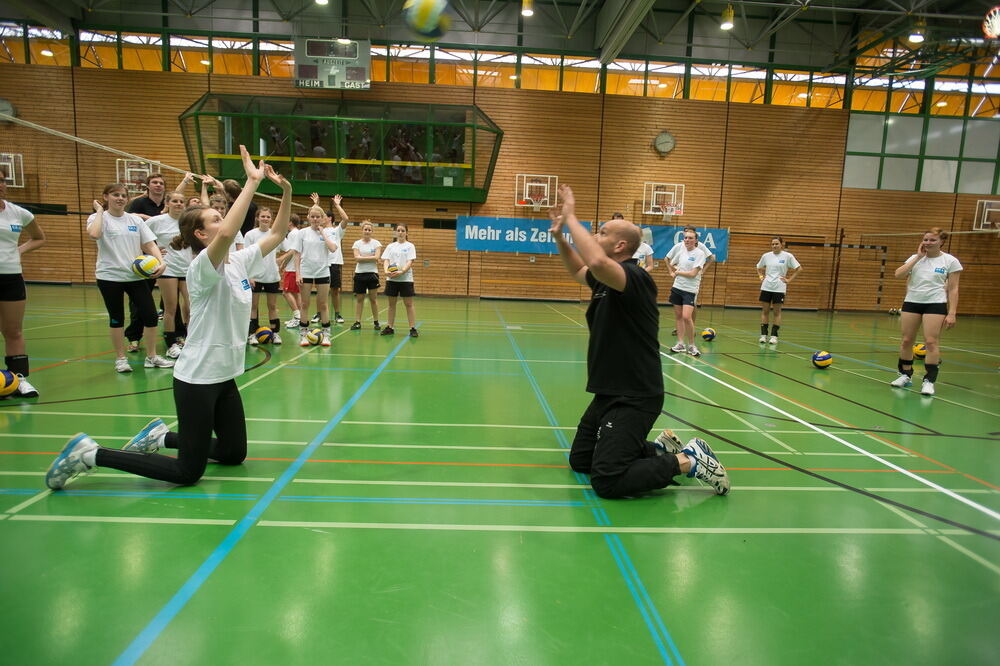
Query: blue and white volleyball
{"type": "Point", "coordinates": [427, 18]}
{"type": "Point", "coordinates": [8, 382]}
{"type": "Point", "coordinates": [145, 265]}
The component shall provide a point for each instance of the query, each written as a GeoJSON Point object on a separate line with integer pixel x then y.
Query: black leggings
{"type": "Point", "coordinates": [201, 408]}
{"type": "Point", "coordinates": [611, 446]}
{"type": "Point", "coordinates": [139, 293]}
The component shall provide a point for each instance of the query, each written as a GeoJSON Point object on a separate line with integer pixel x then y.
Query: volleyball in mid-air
{"type": "Point", "coordinates": [8, 382]}
{"type": "Point", "coordinates": [920, 350]}
{"type": "Point", "coordinates": [708, 334]}
{"type": "Point", "coordinates": [822, 359]}
{"type": "Point", "coordinates": [145, 265]}
{"type": "Point", "coordinates": [427, 18]}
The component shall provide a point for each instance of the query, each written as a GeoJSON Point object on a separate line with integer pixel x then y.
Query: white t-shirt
{"type": "Point", "coordinates": [311, 244]}
{"type": "Point", "coordinates": [369, 249]}
{"type": "Point", "coordinates": [120, 243]}
{"type": "Point", "coordinates": [644, 251]}
{"type": "Point", "coordinates": [215, 350]}
{"type": "Point", "coordinates": [776, 267]}
{"type": "Point", "coordinates": [679, 247]}
{"type": "Point", "coordinates": [238, 240]}
{"type": "Point", "coordinates": [928, 278]}
{"type": "Point", "coordinates": [269, 267]}
{"type": "Point", "coordinates": [399, 254]}
{"type": "Point", "coordinates": [13, 218]}
{"type": "Point", "coordinates": [338, 256]}
{"type": "Point", "coordinates": [683, 260]}
{"type": "Point", "coordinates": [165, 228]}
{"type": "Point", "coordinates": [177, 262]}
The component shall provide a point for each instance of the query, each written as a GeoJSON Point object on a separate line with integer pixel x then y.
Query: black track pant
{"type": "Point", "coordinates": [133, 331]}
{"type": "Point", "coordinates": [201, 409]}
{"type": "Point", "coordinates": [611, 446]}
{"type": "Point", "coordinates": [114, 293]}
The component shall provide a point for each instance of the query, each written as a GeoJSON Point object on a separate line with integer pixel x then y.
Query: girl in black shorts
{"type": "Point", "coordinates": [367, 252]}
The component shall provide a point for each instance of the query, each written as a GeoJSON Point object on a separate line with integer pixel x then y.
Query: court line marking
{"type": "Point", "coordinates": [85, 319]}
{"type": "Point", "coordinates": [561, 314]}
{"type": "Point", "coordinates": [964, 500]}
{"type": "Point", "coordinates": [137, 648]}
{"type": "Point", "coordinates": [125, 519]}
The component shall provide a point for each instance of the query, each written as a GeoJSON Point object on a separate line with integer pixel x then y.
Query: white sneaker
{"type": "Point", "coordinates": [149, 439]}
{"type": "Point", "coordinates": [773, 340]}
{"type": "Point", "coordinates": [24, 389]}
{"type": "Point", "coordinates": [303, 340]}
{"type": "Point", "coordinates": [252, 340]}
{"type": "Point", "coordinates": [276, 340]}
{"type": "Point", "coordinates": [679, 348]}
{"type": "Point", "coordinates": [706, 467]}
{"type": "Point", "coordinates": [69, 462]}
{"type": "Point", "coordinates": [693, 350]}
{"type": "Point", "coordinates": [340, 320]}
{"type": "Point", "coordinates": [762, 339]}
{"type": "Point", "coordinates": [927, 388]}
{"type": "Point", "coordinates": [293, 322]}
{"type": "Point", "coordinates": [901, 382]}
{"type": "Point", "coordinates": [157, 361]}
{"type": "Point", "coordinates": [667, 442]}
{"type": "Point", "coordinates": [175, 350]}
{"type": "Point", "coordinates": [122, 365]}
{"type": "Point", "coordinates": [325, 339]}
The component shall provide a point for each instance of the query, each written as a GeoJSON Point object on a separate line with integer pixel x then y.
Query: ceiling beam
{"type": "Point", "coordinates": [45, 14]}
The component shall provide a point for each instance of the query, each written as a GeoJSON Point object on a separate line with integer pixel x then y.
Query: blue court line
{"type": "Point", "coordinates": [642, 600]}
{"type": "Point", "coordinates": [152, 631]}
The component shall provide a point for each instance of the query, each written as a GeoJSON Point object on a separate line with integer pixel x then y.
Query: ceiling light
{"type": "Point", "coordinates": [727, 18]}
{"type": "Point", "coordinates": [526, 8]}
{"type": "Point", "coordinates": [206, 62]}
{"type": "Point", "coordinates": [942, 103]}
{"type": "Point", "coordinates": [322, 2]}
{"type": "Point", "coordinates": [803, 95]}
{"type": "Point", "coordinates": [662, 85]}
{"type": "Point", "coordinates": [47, 53]}
{"type": "Point", "coordinates": [343, 40]}
{"type": "Point", "coordinates": [512, 77]}
{"type": "Point", "coordinates": [918, 32]}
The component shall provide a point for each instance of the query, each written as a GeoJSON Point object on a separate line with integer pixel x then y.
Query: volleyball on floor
{"type": "Point", "coordinates": [920, 350]}
{"type": "Point", "coordinates": [145, 265]}
{"type": "Point", "coordinates": [8, 382]}
{"type": "Point", "coordinates": [314, 336]}
{"type": "Point", "coordinates": [822, 359]}
{"type": "Point", "coordinates": [708, 334]}
{"type": "Point", "coordinates": [264, 335]}
{"type": "Point", "coordinates": [427, 18]}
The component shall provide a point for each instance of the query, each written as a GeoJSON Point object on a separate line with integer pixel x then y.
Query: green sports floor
{"type": "Point", "coordinates": [408, 501]}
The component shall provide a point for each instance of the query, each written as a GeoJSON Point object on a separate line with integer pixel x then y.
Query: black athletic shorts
{"type": "Point", "coordinates": [365, 281]}
{"type": "Point", "coordinates": [12, 287]}
{"type": "Point", "coordinates": [267, 287]}
{"type": "Point", "coordinates": [678, 297]}
{"type": "Point", "coordinates": [336, 280]}
{"type": "Point", "coordinates": [925, 308]}
{"type": "Point", "coordinates": [771, 297]}
{"type": "Point", "coordinates": [319, 280]}
{"type": "Point", "coordinates": [173, 277]}
{"type": "Point", "coordinates": [404, 289]}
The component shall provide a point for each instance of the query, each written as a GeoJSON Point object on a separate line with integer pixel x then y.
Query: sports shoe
{"type": "Point", "coordinates": [667, 442]}
{"type": "Point", "coordinates": [122, 365]}
{"type": "Point", "coordinates": [303, 340]}
{"type": "Point", "coordinates": [762, 339]}
{"type": "Point", "coordinates": [378, 326]}
{"type": "Point", "coordinates": [175, 350]}
{"type": "Point", "coordinates": [69, 462]}
{"type": "Point", "coordinates": [413, 333]}
{"type": "Point", "coordinates": [693, 350]}
{"type": "Point", "coordinates": [315, 318]}
{"type": "Point", "coordinates": [679, 348]}
{"type": "Point", "coordinates": [340, 319]}
{"type": "Point", "coordinates": [293, 322]}
{"type": "Point", "coordinates": [25, 389]}
{"type": "Point", "coordinates": [773, 340]}
{"type": "Point", "coordinates": [673, 332]}
{"type": "Point", "coordinates": [927, 388]}
{"type": "Point", "coordinates": [251, 340]}
{"type": "Point", "coordinates": [149, 439]}
{"type": "Point", "coordinates": [356, 326]}
{"type": "Point", "coordinates": [159, 315]}
{"type": "Point", "coordinates": [276, 340]}
{"type": "Point", "coordinates": [388, 330]}
{"type": "Point", "coordinates": [901, 382]}
{"type": "Point", "coordinates": [157, 361]}
{"type": "Point", "coordinates": [324, 339]}
{"type": "Point", "coordinates": [132, 346]}
{"type": "Point", "coordinates": [705, 466]}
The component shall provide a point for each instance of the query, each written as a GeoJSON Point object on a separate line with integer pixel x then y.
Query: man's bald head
{"type": "Point", "coordinates": [622, 231]}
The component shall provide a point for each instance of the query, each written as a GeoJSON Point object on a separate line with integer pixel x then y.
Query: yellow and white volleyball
{"type": "Point", "coordinates": [8, 382]}
{"type": "Point", "coordinates": [427, 18]}
{"type": "Point", "coordinates": [392, 268]}
{"type": "Point", "coordinates": [145, 265]}
{"type": "Point", "coordinates": [314, 336]}
{"type": "Point", "coordinates": [920, 350]}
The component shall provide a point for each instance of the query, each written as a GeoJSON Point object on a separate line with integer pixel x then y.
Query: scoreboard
{"type": "Point", "coordinates": [333, 63]}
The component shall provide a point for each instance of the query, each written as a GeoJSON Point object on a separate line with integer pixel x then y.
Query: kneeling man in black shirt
{"type": "Point", "coordinates": [623, 367]}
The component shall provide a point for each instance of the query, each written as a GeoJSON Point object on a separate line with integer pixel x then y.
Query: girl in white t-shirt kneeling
{"type": "Point", "coordinates": [367, 252]}
{"type": "Point", "coordinates": [398, 262]}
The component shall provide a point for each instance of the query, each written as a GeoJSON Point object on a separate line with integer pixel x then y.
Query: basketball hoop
{"type": "Point", "coordinates": [665, 211]}
{"type": "Point", "coordinates": [536, 203]}
{"type": "Point", "coordinates": [991, 24]}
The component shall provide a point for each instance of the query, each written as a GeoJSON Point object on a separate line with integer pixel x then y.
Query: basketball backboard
{"type": "Point", "coordinates": [133, 174]}
{"type": "Point", "coordinates": [664, 199]}
{"type": "Point", "coordinates": [987, 215]}
{"type": "Point", "coordinates": [13, 165]}
{"type": "Point", "coordinates": [536, 191]}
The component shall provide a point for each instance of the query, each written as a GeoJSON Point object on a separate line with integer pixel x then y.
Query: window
{"type": "Point", "coordinates": [277, 58]}
{"type": "Point", "coordinates": [666, 79]}
{"type": "Point", "coordinates": [790, 88]}
{"type": "Point", "coordinates": [11, 42]}
{"type": "Point", "coordinates": [99, 49]}
{"type": "Point", "coordinates": [453, 67]}
{"type": "Point", "coordinates": [540, 72]}
{"type": "Point", "coordinates": [496, 70]}
{"type": "Point", "coordinates": [48, 47]}
{"type": "Point", "coordinates": [581, 75]}
{"type": "Point", "coordinates": [747, 84]}
{"type": "Point", "coordinates": [142, 51]}
{"type": "Point", "coordinates": [709, 82]}
{"type": "Point", "coordinates": [627, 77]}
{"type": "Point", "coordinates": [410, 64]}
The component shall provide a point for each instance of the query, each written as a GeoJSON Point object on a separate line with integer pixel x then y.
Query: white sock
{"type": "Point", "coordinates": [90, 458]}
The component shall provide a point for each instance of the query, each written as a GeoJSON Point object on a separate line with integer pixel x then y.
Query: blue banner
{"type": "Point", "coordinates": [513, 234]}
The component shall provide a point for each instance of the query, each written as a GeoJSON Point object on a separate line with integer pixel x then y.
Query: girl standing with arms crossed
{"type": "Point", "coordinates": [120, 238]}
{"type": "Point", "coordinates": [14, 221]}
{"type": "Point", "coordinates": [400, 255]}
{"type": "Point", "coordinates": [932, 301]}
{"type": "Point", "coordinates": [367, 252]}
{"type": "Point", "coordinates": [686, 268]}
{"type": "Point", "coordinates": [775, 269]}
{"type": "Point", "coordinates": [313, 246]}
{"type": "Point", "coordinates": [205, 390]}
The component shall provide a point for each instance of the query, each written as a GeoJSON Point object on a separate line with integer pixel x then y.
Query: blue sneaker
{"type": "Point", "coordinates": [667, 442]}
{"type": "Point", "coordinates": [69, 462]}
{"type": "Point", "coordinates": [705, 466]}
{"type": "Point", "coordinates": [149, 439]}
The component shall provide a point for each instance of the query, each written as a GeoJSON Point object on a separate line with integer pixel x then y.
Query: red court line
{"type": "Point", "coordinates": [70, 360]}
{"type": "Point", "coordinates": [846, 423]}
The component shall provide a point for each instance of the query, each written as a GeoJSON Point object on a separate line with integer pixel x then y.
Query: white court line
{"type": "Point", "coordinates": [564, 315]}
{"type": "Point", "coordinates": [126, 519]}
{"type": "Point", "coordinates": [948, 542]}
{"type": "Point", "coordinates": [126, 475]}
{"type": "Point", "coordinates": [36, 328]}
{"type": "Point", "coordinates": [920, 479]}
